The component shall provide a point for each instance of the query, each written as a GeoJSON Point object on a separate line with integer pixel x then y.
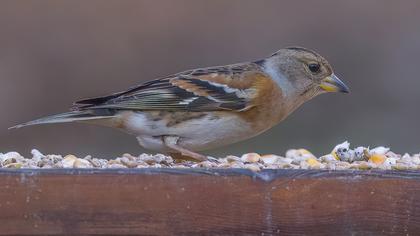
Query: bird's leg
{"type": "Point", "coordinates": [172, 143]}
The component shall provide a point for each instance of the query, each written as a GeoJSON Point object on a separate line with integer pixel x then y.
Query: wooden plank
{"type": "Point", "coordinates": [217, 202]}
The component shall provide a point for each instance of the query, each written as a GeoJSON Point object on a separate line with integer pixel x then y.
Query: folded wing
{"type": "Point", "coordinates": [210, 89]}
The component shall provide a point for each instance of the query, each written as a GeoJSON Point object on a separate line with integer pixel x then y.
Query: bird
{"type": "Point", "coordinates": [206, 108]}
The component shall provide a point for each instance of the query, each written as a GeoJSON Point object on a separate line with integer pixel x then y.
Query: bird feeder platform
{"type": "Point", "coordinates": [164, 201]}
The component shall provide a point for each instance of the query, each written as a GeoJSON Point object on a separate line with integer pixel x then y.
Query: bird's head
{"type": "Point", "coordinates": [302, 72]}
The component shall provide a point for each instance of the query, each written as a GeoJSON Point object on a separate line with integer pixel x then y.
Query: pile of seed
{"type": "Point", "coordinates": [341, 157]}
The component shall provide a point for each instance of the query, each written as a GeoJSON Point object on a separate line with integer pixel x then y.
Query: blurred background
{"type": "Point", "coordinates": [55, 52]}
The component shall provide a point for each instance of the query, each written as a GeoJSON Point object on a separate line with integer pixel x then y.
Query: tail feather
{"type": "Point", "coordinates": [67, 117]}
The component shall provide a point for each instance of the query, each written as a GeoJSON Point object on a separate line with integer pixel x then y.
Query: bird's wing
{"type": "Point", "coordinates": [208, 89]}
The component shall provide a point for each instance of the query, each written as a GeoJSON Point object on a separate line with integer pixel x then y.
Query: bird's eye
{"type": "Point", "coordinates": [314, 67]}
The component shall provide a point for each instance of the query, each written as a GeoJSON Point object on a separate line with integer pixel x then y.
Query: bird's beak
{"type": "Point", "coordinates": [333, 84]}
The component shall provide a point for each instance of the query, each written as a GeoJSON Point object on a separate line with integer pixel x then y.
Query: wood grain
{"type": "Point", "coordinates": [209, 202]}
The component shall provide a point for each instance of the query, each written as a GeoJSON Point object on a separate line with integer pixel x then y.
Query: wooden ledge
{"type": "Point", "coordinates": [216, 201]}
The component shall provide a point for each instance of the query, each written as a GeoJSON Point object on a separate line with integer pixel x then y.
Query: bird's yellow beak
{"type": "Point", "coordinates": [333, 84]}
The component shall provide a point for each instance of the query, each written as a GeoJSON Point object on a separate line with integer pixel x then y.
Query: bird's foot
{"type": "Point", "coordinates": [185, 154]}
{"type": "Point", "coordinates": [213, 159]}
{"type": "Point", "coordinates": [178, 158]}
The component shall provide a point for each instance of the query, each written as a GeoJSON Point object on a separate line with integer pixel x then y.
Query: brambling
{"type": "Point", "coordinates": [210, 107]}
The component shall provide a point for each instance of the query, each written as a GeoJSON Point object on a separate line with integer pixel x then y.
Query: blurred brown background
{"type": "Point", "coordinates": [55, 52]}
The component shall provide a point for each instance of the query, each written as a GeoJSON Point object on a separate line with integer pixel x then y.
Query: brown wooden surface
{"type": "Point", "coordinates": [209, 202]}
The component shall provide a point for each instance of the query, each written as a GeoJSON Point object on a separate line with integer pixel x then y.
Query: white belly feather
{"type": "Point", "coordinates": [204, 132]}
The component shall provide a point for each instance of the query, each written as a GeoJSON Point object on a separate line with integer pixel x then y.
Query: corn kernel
{"type": "Point", "coordinates": [377, 159]}
{"type": "Point", "coordinates": [313, 163]}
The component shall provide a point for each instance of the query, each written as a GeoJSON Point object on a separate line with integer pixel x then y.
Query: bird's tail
{"type": "Point", "coordinates": [73, 116]}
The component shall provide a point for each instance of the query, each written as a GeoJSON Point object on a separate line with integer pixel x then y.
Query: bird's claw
{"type": "Point", "coordinates": [213, 159]}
